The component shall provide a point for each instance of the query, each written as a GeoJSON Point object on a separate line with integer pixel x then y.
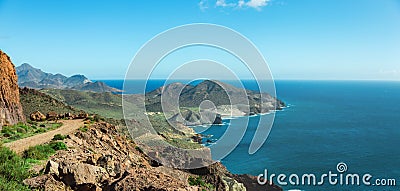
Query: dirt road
{"type": "Point", "coordinates": [68, 127]}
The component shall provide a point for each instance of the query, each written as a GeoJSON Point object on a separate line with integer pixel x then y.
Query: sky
{"type": "Point", "coordinates": [307, 39]}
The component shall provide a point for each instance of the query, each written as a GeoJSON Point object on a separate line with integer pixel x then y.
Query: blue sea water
{"type": "Point", "coordinates": [355, 122]}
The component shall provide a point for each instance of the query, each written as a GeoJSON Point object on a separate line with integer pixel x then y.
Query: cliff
{"type": "Point", "coordinates": [10, 107]}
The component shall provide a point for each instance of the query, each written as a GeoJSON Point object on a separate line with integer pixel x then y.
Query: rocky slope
{"type": "Point", "coordinates": [35, 78]}
{"type": "Point", "coordinates": [102, 158]}
{"type": "Point", "coordinates": [10, 107]}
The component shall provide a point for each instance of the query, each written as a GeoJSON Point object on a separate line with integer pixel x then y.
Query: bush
{"type": "Point", "coordinates": [200, 182]}
{"type": "Point", "coordinates": [58, 146]}
{"type": "Point", "coordinates": [40, 130]}
{"type": "Point", "coordinates": [83, 129]}
{"type": "Point", "coordinates": [59, 137]}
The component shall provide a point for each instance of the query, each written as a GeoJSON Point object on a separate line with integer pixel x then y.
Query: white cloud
{"type": "Point", "coordinates": [256, 4]}
{"type": "Point", "coordinates": [203, 4]}
{"type": "Point", "coordinates": [222, 3]}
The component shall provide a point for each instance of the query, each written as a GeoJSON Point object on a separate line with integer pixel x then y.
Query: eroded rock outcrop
{"type": "Point", "coordinates": [10, 107]}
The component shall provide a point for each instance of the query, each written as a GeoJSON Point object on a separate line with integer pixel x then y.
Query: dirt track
{"type": "Point", "coordinates": [23, 144]}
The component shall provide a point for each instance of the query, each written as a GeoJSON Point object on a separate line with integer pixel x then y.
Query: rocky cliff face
{"type": "Point", "coordinates": [10, 106]}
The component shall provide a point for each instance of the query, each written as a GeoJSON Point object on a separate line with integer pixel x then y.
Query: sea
{"type": "Point", "coordinates": [327, 124]}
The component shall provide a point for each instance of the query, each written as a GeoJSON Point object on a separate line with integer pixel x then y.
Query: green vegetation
{"type": "Point", "coordinates": [42, 152]}
{"type": "Point", "coordinates": [193, 181]}
{"type": "Point", "coordinates": [173, 136]}
{"type": "Point", "coordinates": [34, 100]}
{"type": "Point", "coordinates": [83, 129]}
{"type": "Point", "coordinates": [104, 104]}
{"type": "Point", "coordinates": [59, 137]}
{"type": "Point", "coordinates": [13, 170]}
{"type": "Point", "coordinates": [21, 130]}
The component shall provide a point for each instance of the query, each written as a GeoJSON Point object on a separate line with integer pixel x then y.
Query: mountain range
{"type": "Point", "coordinates": [35, 78]}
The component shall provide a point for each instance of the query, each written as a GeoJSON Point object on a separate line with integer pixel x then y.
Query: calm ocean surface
{"type": "Point", "coordinates": [355, 122]}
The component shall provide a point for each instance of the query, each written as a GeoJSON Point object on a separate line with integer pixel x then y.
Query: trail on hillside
{"type": "Point", "coordinates": [68, 127]}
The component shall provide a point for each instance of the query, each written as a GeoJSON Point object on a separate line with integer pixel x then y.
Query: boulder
{"type": "Point", "coordinates": [51, 168]}
{"type": "Point", "coordinates": [37, 116]}
{"type": "Point", "coordinates": [52, 115]}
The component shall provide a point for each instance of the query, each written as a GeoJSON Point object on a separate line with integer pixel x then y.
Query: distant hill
{"type": "Point", "coordinates": [221, 94]}
{"type": "Point", "coordinates": [31, 77]}
{"type": "Point", "coordinates": [226, 100]}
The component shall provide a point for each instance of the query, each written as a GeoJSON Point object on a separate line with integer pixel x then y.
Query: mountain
{"type": "Point", "coordinates": [35, 78]}
{"type": "Point", "coordinates": [10, 107]}
{"type": "Point", "coordinates": [224, 99]}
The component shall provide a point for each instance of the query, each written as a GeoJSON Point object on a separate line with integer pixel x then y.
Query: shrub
{"type": "Point", "coordinates": [59, 137]}
{"type": "Point", "coordinates": [200, 182]}
{"type": "Point", "coordinates": [58, 146]}
{"type": "Point", "coordinates": [42, 125]}
{"type": "Point", "coordinates": [40, 130]}
{"type": "Point", "coordinates": [83, 129]}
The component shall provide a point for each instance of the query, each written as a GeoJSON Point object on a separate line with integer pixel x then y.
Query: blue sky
{"type": "Point", "coordinates": [300, 39]}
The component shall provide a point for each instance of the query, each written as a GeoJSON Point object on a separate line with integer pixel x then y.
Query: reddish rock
{"type": "Point", "coordinates": [10, 107]}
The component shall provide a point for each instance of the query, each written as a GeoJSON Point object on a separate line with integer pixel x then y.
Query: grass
{"type": "Point", "coordinates": [13, 170]}
{"type": "Point", "coordinates": [21, 130]}
{"type": "Point", "coordinates": [42, 152]}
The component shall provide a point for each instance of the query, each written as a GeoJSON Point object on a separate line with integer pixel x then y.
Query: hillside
{"type": "Point", "coordinates": [37, 79]}
{"type": "Point", "coordinates": [33, 100]}
{"type": "Point", "coordinates": [105, 104]}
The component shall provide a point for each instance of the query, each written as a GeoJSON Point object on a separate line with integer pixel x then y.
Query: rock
{"type": "Point", "coordinates": [45, 182]}
{"type": "Point", "coordinates": [82, 176]}
{"type": "Point", "coordinates": [37, 116]}
{"type": "Point", "coordinates": [232, 185]}
{"type": "Point", "coordinates": [10, 107]}
{"type": "Point", "coordinates": [52, 115]}
{"type": "Point", "coordinates": [51, 168]}
{"type": "Point", "coordinates": [218, 119]}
